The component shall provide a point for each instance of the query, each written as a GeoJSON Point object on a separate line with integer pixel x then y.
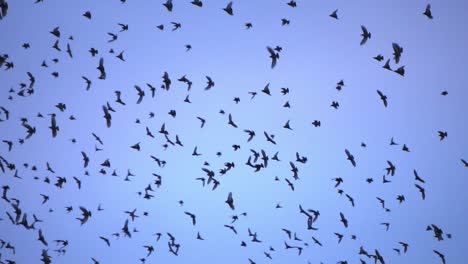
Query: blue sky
{"type": "Point", "coordinates": [318, 52]}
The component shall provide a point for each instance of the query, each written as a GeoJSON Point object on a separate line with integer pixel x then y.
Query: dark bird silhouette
{"type": "Point", "coordinates": [125, 229]}
{"type": "Point", "coordinates": [344, 220]}
{"type": "Point", "coordinates": [193, 217]}
{"type": "Point", "coordinates": [404, 245]}
{"type": "Point", "coordinates": [56, 32]}
{"type": "Point", "coordinates": [350, 158]}
{"type": "Point", "coordinates": [175, 26]}
{"type": "Point", "coordinates": [290, 184]}
{"type": "Point", "coordinates": [169, 5]}
{"type": "Point", "coordinates": [316, 123]}
{"type": "Point", "coordinates": [442, 135]}
{"type": "Point", "coordinates": [85, 159]}
{"type": "Point", "coordinates": [230, 122]}
{"type": "Point", "coordinates": [464, 162]}
{"type": "Point", "coordinates": [106, 240]}
{"type": "Point", "coordinates": [441, 256]}
{"type": "Point", "coordinates": [107, 115]}
{"type": "Point", "coordinates": [53, 125]}
{"type": "Point", "coordinates": [400, 71]}
{"type": "Point", "coordinates": [86, 214]}
{"type": "Point", "coordinates": [141, 93]}
{"type": "Point", "coordinates": [230, 201]}
{"type": "Point", "coordinates": [379, 57]}
{"type": "Point", "coordinates": [274, 56]}
{"type": "Point", "coordinates": [228, 9]}
{"type": "Point", "coordinates": [428, 12]}
{"type": "Point", "coordinates": [397, 51]}
{"type": "Point", "coordinates": [41, 238]}
{"type": "Point", "coordinates": [210, 83]}
{"type": "Point", "coordinates": [269, 138]}
{"type": "Point", "coordinates": [88, 82]}
{"type": "Point", "coordinates": [421, 190]}
{"type": "Point", "coordinates": [101, 69]}
{"type": "Point", "coordinates": [197, 3]}
{"type": "Point", "coordinates": [391, 169]}
{"type": "Point", "coordinates": [232, 228]}
{"type": "Point", "coordinates": [417, 178]}
{"type": "Point", "coordinates": [334, 14]}
{"type": "Point", "coordinates": [383, 98]}
{"type": "Point", "coordinates": [113, 37]}
{"type": "Point", "coordinates": [3, 9]}
{"type": "Point", "coordinates": [292, 3]}
{"type": "Point", "coordinates": [366, 35]}
{"type": "Point", "coordinates": [124, 27]}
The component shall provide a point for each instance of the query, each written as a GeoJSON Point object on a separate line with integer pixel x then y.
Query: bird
{"type": "Point", "coordinates": [344, 220]}
{"type": "Point", "coordinates": [101, 69]}
{"type": "Point", "coordinates": [87, 14]}
{"type": "Point", "coordinates": [382, 97]}
{"type": "Point", "coordinates": [350, 158]}
{"type": "Point", "coordinates": [366, 35]}
{"type": "Point", "coordinates": [228, 9]}
{"type": "Point", "coordinates": [3, 9]}
{"type": "Point", "coordinates": [421, 190]}
{"type": "Point", "coordinates": [175, 25]}
{"type": "Point", "coordinates": [464, 162]}
{"type": "Point", "coordinates": [88, 82]}
{"type": "Point", "coordinates": [230, 201]}
{"type": "Point", "coordinates": [428, 12]}
{"type": "Point", "coordinates": [417, 178]}
{"type": "Point", "coordinates": [192, 216]}
{"type": "Point", "coordinates": [274, 56]}
{"type": "Point", "coordinates": [124, 27]}
{"type": "Point", "coordinates": [230, 122]}
{"type": "Point", "coordinates": [334, 14]}
{"type": "Point", "coordinates": [169, 5]}
{"type": "Point", "coordinates": [107, 116]}
{"type": "Point", "coordinates": [210, 84]}
{"type": "Point", "coordinates": [292, 3]}
{"type": "Point", "coordinates": [197, 3]}
{"type": "Point", "coordinates": [120, 56]}
{"type": "Point", "coordinates": [442, 135]}
{"type": "Point", "coordinates": [54, 127]}
{"type": "Point", "coordinates": [397, 51]}
{"type": "Point", "coordinates": [141, 93]}
{"type": "Point", "coordinates": [106, 240]}
{"type": "Point", "coordinates": [400, 71]}
{"type": "Point", "coordinates": [441, 256]}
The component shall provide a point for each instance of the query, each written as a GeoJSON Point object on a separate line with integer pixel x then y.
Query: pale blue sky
{"type": "Point", "coordinates": [318, 51]}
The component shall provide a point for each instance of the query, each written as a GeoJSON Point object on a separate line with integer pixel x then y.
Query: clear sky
{"type": "Point", "coordinates": [317, 52]}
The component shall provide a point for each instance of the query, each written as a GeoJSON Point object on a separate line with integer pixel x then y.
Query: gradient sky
{"type": "Point", "coordinates": [318, 51]}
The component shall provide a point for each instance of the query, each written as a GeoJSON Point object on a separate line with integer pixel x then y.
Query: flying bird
{"type": "Point", "coordinates": [274, 56]}
{"type": "Point", "coordinates": [366, 35]}
{"type": "Point", "coordinates": [228, 9]}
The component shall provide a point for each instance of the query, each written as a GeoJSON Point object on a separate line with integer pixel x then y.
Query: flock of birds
{"type": "Point", "coordinates": [259, 160]}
